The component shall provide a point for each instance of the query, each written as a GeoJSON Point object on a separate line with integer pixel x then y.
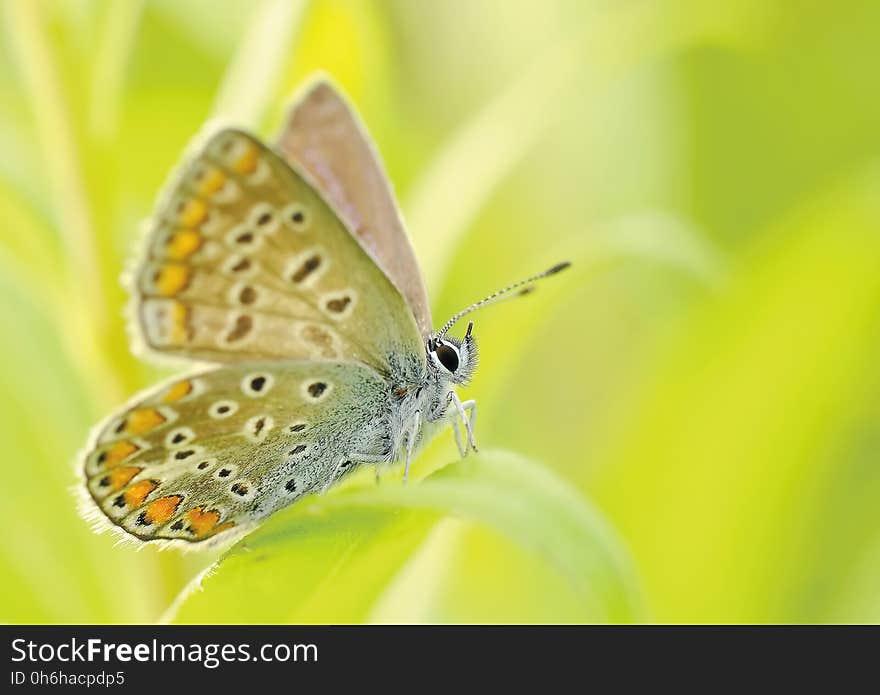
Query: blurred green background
{"type": "Point", "coordinates": [706, 375]}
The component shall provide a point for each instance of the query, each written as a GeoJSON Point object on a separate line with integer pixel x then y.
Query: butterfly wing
{"type": "Point", "coordinates": [215, 452]}
{"type": "Point", "coordinates": [326, 139]}
{"type": "Point", "coordinates": [245, 261]}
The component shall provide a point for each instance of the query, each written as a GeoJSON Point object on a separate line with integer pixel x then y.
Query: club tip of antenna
{"type": "Point", "coordinates": [558, 268]}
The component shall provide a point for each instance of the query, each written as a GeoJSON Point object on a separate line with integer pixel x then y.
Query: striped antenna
{"type": "Point", "coordinates": [524, 287]}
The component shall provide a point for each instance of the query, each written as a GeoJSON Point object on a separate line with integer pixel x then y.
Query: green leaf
{"type": "Point", "coordinates": [762, 426]}
{"type": "Point", "coordinates": [346, 557]}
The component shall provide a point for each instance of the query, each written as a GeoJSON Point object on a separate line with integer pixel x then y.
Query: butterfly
{"type": "Point", "coordinates": [289, 272]}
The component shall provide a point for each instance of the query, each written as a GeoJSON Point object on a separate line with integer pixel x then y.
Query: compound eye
{"type": "Point", "coordinates": [448, 357]}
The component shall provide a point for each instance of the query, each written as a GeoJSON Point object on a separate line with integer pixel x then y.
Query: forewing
{"type": "Point", "coordinates": [325, 138]}
{"type": "Point", "coordinates": [245, 261]}
{"type": "Point", "coordinates": [215, 452]}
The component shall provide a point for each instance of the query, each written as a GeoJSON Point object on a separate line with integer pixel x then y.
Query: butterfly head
{"type": "Point", "coordinates": [453, 359]}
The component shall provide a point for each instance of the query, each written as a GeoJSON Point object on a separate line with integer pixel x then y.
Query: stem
{"type": "Point", "coordinates": [86, 313]}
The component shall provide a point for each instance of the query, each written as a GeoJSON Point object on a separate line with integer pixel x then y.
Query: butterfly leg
{"type": "Point", "coordinates": [330, 480]}
{"type": "Point", "coordinates": [376, 459]}
{"type": "Point", "coordinates": [456, 432]}
{"type": "Point", "coordinates": [467, 411]}
{"type": "Point", "coordinates": [360, 459]}
{"type": "Point", "coordinates": [470, 407]}
{"type": "Point", "coordinates": [411, 440]}
{"type": "Point", "coordinates": [452, 398]}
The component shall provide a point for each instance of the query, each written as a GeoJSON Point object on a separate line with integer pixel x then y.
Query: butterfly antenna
{"type": "Point", "coordinates": [524, 287]}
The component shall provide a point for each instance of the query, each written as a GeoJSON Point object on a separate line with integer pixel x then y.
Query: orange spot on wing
{"type": "Point", "coordinates": [120, 477]}
{"type": "Point", "coordinates": [246, 163]}
{"type": "Point", "coordinates": [178, 331]}
{"type": "Point", "coordinates": [202, 522]}
{"type": "Point", "coordinates": [171, 279]}
{"type": "Point", "coordinates": [137, 493]}
{"type": "Point", "coordinates": [192, 212]}
{"type": "Point", "coordinates": [116, 453]}
{"type": "Point", "coordinates": [177, 391]}
{"type": "Point", "coordinates": [143, 420]}
{"type": "Point", "coordinates": [211, 182]}
{"type": "Point", "coordinates": [182, 244]}
{"type": "Point", "coordinates": [162, 509]}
